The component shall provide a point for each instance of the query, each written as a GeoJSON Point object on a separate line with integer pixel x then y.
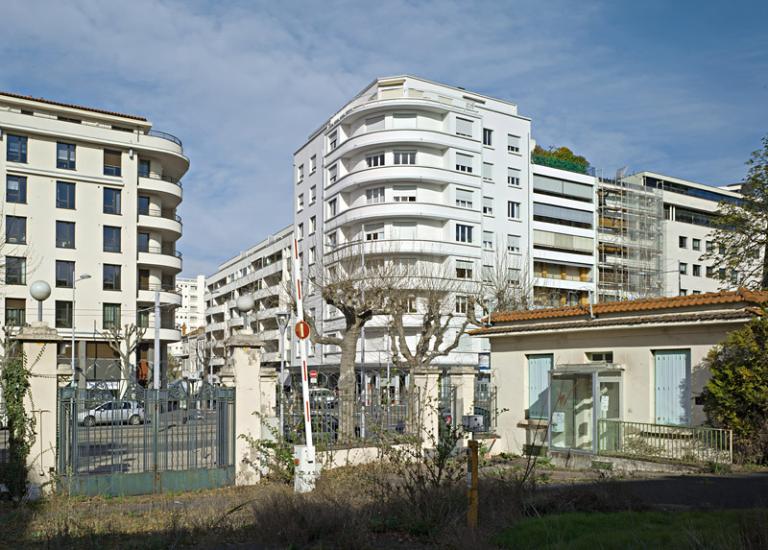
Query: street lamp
{"type": "Point", "coordinates": [82, 277]}
{"type": "Point", "coordinates": [40, 291]}
{"type": "Point", "coordinates": [244, 304]}
{"type": "Point", "coordinates": [282, 323]}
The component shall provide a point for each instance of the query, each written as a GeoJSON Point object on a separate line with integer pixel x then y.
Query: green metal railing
{"type": "Point", "coordinates": [682, 443]}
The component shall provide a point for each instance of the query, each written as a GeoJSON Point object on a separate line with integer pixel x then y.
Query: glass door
{"type": "Point", "coordinates": [572, 410]}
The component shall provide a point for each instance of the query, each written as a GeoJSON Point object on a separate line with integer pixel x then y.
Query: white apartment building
{"type": "Point", "coordinates": [261, 271]}
{"type": "Point", "coordinates": [92, 193]}
{"type": "Point", "coordinates": [440, 178]}
{"type": "Point", "coordinates": [191, 313]}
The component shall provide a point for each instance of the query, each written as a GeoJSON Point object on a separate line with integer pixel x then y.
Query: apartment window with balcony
{"type": "Point", "coordinates": [112, 163]}
{"type": "Point", "coordinates": [333, 172]}
{"type": "Point", "coordinates": [312, 194]}
{"type": "Point", "coordinates": [695, 244]}
{"type": "Point", "coordinates": [488, 240]}
{"type": "Point", "coordinates": [405, 157]}
{"type": "Point", "coordinates": [374, 123]}
{"type": "Point", "coordinates": [464, 163]}
{"type": "Point", "coordinates": [16, 189]}
{"type": "Point", "coordinates": [513, 244]}
{"type": "Point", "coordinates": [682, 242]}
{"type": "Point", "coordinates": [65, 274]}
{"type": "Point", "coordinates": [513, 177]}
{"type": "Point", "coordinates": [488, 206]}
{"type": "Point", "coordinates": [513, 210]}
{"type": "Point", "coordinates": [332, 208]}
{"type": "Point", "coordinates": [487, 171]}
{"type": "Point", "coordinates": [142, 242]}
{"type": "Point", "coordinates": [63, 314]}
{"type": "Point", "coordinates": [312, 164]}
{"type": "Point", "coordinates": [377, 159]}
{"type": "Point", "coordinates": [463, 233]}
{"type": "Point", "coordinates": [696, 270]}
{"type": "Point", "coordinates": [300, 202]}
{"type": "Point", "coordinates": [333, 140]}
{"type": "Point", "coordinates": [65, 195]}
{"type": "Point", "coordinates": [300, 231]}
{"type": "Point", "coordinates": [513, 143]}
{"type": "Point", "coordinates": [16, 149]}
{"type": "Point", "coordinates": [311, 255]}
{"type": "Point", "coordinates": [461, 304]}
{"type": "Point", "coordinates": [374, 195]}
{"type": "Point", "coordinates": [111, 277]}
{"type": "Point", "coordinates": [464, 269]}
{"type": "Point", "coordinates": [65, 156]}
{"type": "Point", "coordinates": [312, 224]}
{"type": "Point", "coordinates": [332, 240]}
{"type": "Point", "coordinates": [404, 121]}
{"type": "Point", "coordinates": [464, 198]}
{"type": "Point", "coordinates": [15, 312]}
{"type": "Point", "coordinates": [110, 316]}
{"type": "Point", "coordinates": [112, 240]}
{"type": "Point", "coordinates": [683, 268]}
{"type": "Point", "coordinates": [374, 232]}
{"type": "Point", "coordinates": [15, 230]}
{"type": "Point", "coordinates": [112, 203]}
{"type": "Point", "coordinates": [487, 136]}
{"type": "Point", "coordinates": [143, 168]}
{"type": "Point", "coordinates": [404, 193]}
{"type": "Point", "coordinates": [65, 234]}
{"type": "Point", "coordinates": [143, 205]}
{"type": "Point", "coordinates": [463, 127]}
{"type": "Point", "coordinates": [15, 270]}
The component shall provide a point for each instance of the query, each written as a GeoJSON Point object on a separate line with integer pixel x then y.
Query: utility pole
{"type": "Point", "coordinates": [362, 348]}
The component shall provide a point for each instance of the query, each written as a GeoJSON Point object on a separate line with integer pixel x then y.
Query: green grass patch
{"type": "Point", "coordinates": [621, 530]}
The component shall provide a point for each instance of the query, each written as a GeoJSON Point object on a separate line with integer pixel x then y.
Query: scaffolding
{"type": "Point", "coordinates": [630, 239]}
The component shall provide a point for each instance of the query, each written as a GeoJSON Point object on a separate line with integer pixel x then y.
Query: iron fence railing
{"type": "Point", "coordinates": [486, 406]}
{"type": "Point", "coordinates": [165, 135]}
{"type": "Point", "coordinates": [684, 443]}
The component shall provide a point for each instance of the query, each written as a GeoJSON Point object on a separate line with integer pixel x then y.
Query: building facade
{"type": "Point", "coordinates": [190, 315]}
{"type": "Point", "coordinates": [90, 207]}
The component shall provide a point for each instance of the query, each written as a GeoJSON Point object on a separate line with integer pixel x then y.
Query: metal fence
{"type": "Point", "coordinates": [485, 406]}
{"type": "Point", "coordinates": [146, 442]}
{"type": "Point", "coordinates": [642, 440]}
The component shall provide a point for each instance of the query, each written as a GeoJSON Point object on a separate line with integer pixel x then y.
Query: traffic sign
{"type": "Point", "coordinates": [302, 329]}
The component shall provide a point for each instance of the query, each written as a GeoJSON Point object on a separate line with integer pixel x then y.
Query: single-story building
{"type": "Point", "coordinates": [562, 374]}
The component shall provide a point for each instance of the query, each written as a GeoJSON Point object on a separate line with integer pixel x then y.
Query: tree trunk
{"type": "Point", "coordinates": [764, 282]}
{"type": "Point", "coordinates": [347, 384]}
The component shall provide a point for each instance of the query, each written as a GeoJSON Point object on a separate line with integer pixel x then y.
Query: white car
{"type": "Point", "coordinates": [113, 412]}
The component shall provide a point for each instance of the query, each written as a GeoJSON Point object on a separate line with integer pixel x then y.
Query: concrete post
{"type": "Point", "coordinates": [39, 345]}
{"type": "Point", "coordinates": [463, 379]}
{"type": "Point", "coordinates": [426, 382]}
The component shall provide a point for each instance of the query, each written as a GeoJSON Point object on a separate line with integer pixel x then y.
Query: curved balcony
{"type": "Point", "coordinates": [401, 138]}
{"type": "Point", "coordinates": [406, 247]}
{"type": "Point", "coordinates": [406, 174]}
{"type": "Point", "coordinates": [169, 191]}
{"type": "Point", "coordinates": [169, 146]}
{"type": "Point", "coordinates": [418, 101]}
{"type": "Point", "coordinates": [166, 334]}
{"type": "Point", "coordinates": [167, 295]}
{"type": "Point", "coordinates": [157, 257]}
{"type": "Point", "coordinates": [162, 222]}
{"type": "Point", "coordinates": [400, 210]}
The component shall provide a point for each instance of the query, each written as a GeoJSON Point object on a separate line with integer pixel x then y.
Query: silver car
{"type": "Point", "coordinates": [113, 412]}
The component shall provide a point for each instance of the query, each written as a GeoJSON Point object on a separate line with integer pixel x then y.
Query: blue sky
{"type": "Point", "coordinates": [677, 87]}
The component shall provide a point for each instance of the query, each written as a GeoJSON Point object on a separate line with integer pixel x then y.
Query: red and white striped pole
{"type": "Point", "coordinates": [302, 342]}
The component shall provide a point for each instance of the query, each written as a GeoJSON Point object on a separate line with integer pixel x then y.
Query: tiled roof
{"type": "Point", "coordinates": [742, 295]}
{"type": "Point", "coordinates": [72, 106]}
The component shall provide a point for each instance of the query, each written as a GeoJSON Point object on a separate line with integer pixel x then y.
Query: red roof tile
{"type": "Point", "coordinates": [72, 106]}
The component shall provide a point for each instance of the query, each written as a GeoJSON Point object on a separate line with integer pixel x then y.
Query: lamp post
{"type": "Point", "coordinates": [282, 324]}
{"type": "Point", "coordinates": [244, 304]}
{"type": "Point", "coordinates": [82, 277]}
{"type": "Point", "coordinates": [40, 291]}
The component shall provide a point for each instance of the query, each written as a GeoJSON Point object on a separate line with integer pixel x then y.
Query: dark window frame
{"type": "Point", "coordinates": [11, 223]}
{"type": "Point", "coordinates": [111, 241]}
{"type": "Point", "coordinates": [64, 314]}
{"type": "Point", "coordinates": [19, 196]}
{"type": "Point", "coordinates": [63, 243]}
{"type": "Point", "coordinates": [114, 207]}
{"type": "Point", "coordinates": [68, 280]}
{"type": "Point", "coordinates": [64, 202]}
{"type": "Point", "coordinates": [113, 281]}
{"type": "Point", "coordinates": [22, 274]}
{"type": "Point", "coordinates": [16, 154]}
{"type": "Point", "coordinates": [68, 161]}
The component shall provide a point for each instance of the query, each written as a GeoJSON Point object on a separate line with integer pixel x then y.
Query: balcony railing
{"type": "Point", "coordinates": [168, 179]}
{"type": "Point", "coordinates": [160, 287]}
{"type": "Point", "coordinates": [160, 214]}
{"type": "Point", "coordinates": [158, 250]}
{"type": "Point", "coordinates": [165, 135]}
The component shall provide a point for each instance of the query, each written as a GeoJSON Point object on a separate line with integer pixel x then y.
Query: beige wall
{"type": "Point", "coordinates": [632, 348]}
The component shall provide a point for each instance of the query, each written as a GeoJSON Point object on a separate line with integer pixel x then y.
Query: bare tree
{"type": "Point", "coordinates": [124, 342]}
{"type": "Point", "coordinates": [506, 286]}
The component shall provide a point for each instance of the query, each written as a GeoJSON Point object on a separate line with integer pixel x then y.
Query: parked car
{"type": "Point", "coordinates": [193, 415]}
{"type": "Point", "coordinates": [113, 412]}
{"type": "Point", "coordinates": [322, 398]}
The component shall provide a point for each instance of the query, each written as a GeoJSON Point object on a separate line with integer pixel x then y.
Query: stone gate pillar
{"type": "Point", "coordinates": [426, 382]}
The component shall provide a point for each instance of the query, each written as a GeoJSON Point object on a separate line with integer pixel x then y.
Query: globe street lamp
{"type": "Point", "coordinates": [244, 304]}
{"type": "Point", "coordinates": [82, 277]}
{"type": "Point", "coordinates": [40, 291]}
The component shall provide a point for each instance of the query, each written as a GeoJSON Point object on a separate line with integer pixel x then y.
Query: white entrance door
{"type": "Point", "coordinates": [673, 386]}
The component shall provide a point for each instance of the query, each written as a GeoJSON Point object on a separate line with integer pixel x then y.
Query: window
{"type": "Point", "coordinates": [682, 242]}
{"type": "Point", "coordinates": [111, 316]}
{"type": "Point", "coordinates": [332, 240]}
{"type": "Point", "coordinates": [405, 157]}
{"type": "Point", "coordinates": [312, 224]}
{"type": "Point", "coordinates": [488, 240]}
{"type": "Point", "coordinates": [377, 159]}
{"type": "Point", "coordinates": [710, 246]}
{"type": "Point", "coordinates": [374, 232]}
{"type": "Point", "coordinates": [143, 203]}
{"type": "Point", "coordinates": [488, 273]}
{"type": "Point", "coordinates": [332, 204]}
{"type": "Point", "coordinates": [15, 312]}
{"type": "Point", "coordinates": [143, 168]}
{"type": "Point", "coordinates": [142, 318]}
{"type": "Point", "coordinates": [65, 234]}
{"type": "Point", "coordinates": [63, 314]}
{"type": "Point", "coordinates": [404, 193]}
{"type": "Point", "coordinates": [16, 150]}
{"type": "Point", "coordinates": [463, 198]}
{"type": "Point", "coordinates": [461, 304]}
{"type": "Point", "coordinates": [463, 127]}
{"type": "Point", "coordinates": [538, 384]}
{"type": "Point", "coordinates": [15, 270]}
{"type": "Point", "coordinates": [15, 230]}
{"type": "Point", "coordinates": [65, 156]}
{"type": "Point", "coordinates": [488, 206]}
{"type": "Point", "coordinates": [65, 274]}
{"type": "Point", "coordinates": [600, 357]}
{"type": "Point", "coordinates": [333, 140]}
{"type": "Point", "coordinates": [311, 255]}
{"type": "Point", "coordinates": [374, 195]}
{"type": "Point", "coordinates": [683, 268]}
{"type": "Point", "coordinates": [312, 164]}
{"type": "Point", "coordinates": [513, 244]}
{"type": "Point", "coordinates": [513, 177]}
{"type": "Point", "coordinates": [464, 269]}
{"type": "Point", "coordinates": [16, 189]}
{"type": "Point", "coordinates": [300, 231]}
{"type": "Point", "coordinates": [562, 216]}
{"type": "Point", "coordinates": [111, 277]}
{"type": "Point", "coordinates": [710, 272]}
{"type": "Point", "coordinates": [332, 174]}
{"type": "Point", "coordinates": [563, 188]}
{"type": "Point", "coordinates": [402, 121]}
{"type": "Point", "coordinates": [111, 239]}
{"type": "Point", "coordinates": [696, 292]}
{"type": "Point", "coordinates": [374, 123]}
{"type": "Point", "coordinates": [300, 173]}
{"type": "Point", "coordinates": [300, 202]}
{"type": "Point", "coordinates": [513, 210]}
{"type": "Point", "coordinates": [112, 163]}
{"type": "Point", "coordinates": [463, 233]}
{"type": "Point", "coordinates": [312, 194]}
{"type": "Point", "coordinates": [487, 171]}
{"type": "Point", "coordinates": [410, 306]}
{"type": "Point", "coordinates": [464, 163]}
{"type": "Point", "coordinates": [696, 244]}
{"type": "Point", "coordinates": [487, 136]}
{"type": "Point", "coordinates": [142, 242]}
{"type": "Point", "coordinates": [721, 274]}
{"type": "Point", "coordinates": [696, 270]}
{"type": "Point", "coordinates": [65, 195]}
{"type": "Point", "coordinates": [513, 143]}
{"type": "Point", "coordinates": [112, 204]}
